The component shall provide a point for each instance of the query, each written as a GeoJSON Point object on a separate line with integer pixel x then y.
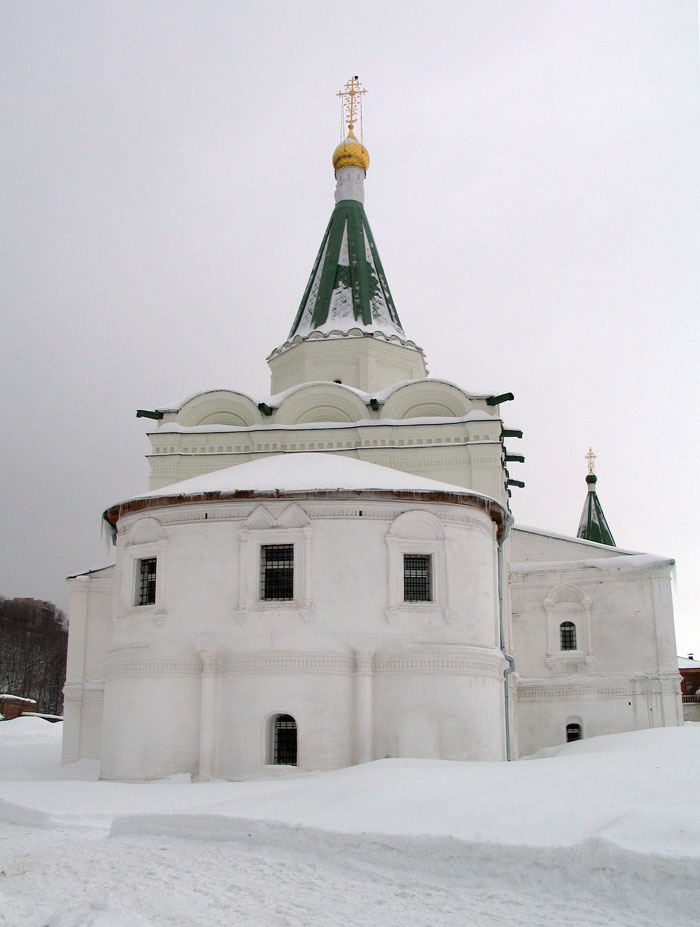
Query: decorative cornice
{"type": "Point", "coordinates": [154, 668]}
{"type": "Point", "coordinates": [486, 664]}
{"type": "Point", "coordinates": [598, 688]}
{"type": "Point", "coordinates": [334, 663]}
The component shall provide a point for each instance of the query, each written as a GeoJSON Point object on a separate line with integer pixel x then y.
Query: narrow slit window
{"type": "Point", "coordinates": [417, 578]}
{"type": "Point", "coordinates": [567, 635]}
{"type": "Point", "coordinates": [573, 732]}
{"type": "Point", "coordinates": [277, 572]}
{"type": "Point", "coordinates": [285, 741]}
{"type": "Point", "coordinates": [146, 581]}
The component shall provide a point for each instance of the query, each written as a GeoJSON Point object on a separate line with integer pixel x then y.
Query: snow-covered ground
{"type": "Point", "coordinates": [605, 831]}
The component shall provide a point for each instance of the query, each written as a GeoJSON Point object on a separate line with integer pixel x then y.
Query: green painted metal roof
{"type": "Point", "coordinates": [593, 525]}
{"type": "Point", "coordinates": [347, 287]}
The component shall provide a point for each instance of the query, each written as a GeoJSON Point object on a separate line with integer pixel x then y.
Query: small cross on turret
{"type": "Point", "coordinates": [590, 457]}
{"type": "Point", "coordinates": [350, 107]}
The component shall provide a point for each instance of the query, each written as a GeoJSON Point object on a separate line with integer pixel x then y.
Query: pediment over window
{"type": "Point", "coordinates": [566, 594]}
{"type": "Point", "coordinates": [293, 516]}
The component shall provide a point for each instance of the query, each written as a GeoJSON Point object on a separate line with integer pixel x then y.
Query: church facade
{"type": "Point", "coordinates": [331, 574]}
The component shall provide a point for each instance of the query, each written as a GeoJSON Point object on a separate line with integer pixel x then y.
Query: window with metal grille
{"type": "Point", "coordinates": [284, 732]}
{"type": "Point", "coordinates": [417, 578]}
{"type": "Point", "coordinates": [567, 635]}
{"type": "Point", "coordinates": [573, 732]}
{"type": "Point", "coordinates": [277, 572]}
{"type": "Point", "coordinates": [146, 581]}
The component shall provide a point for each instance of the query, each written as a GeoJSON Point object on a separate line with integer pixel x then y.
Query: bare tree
{"type": "Point", "coordinates": [33, 646]}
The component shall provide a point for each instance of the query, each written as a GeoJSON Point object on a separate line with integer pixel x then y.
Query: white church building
{"type": "Point", "coordinates": [331, 574]}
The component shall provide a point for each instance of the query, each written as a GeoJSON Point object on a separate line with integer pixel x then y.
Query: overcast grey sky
{"type": "Point", "coordinates": [533, 192]}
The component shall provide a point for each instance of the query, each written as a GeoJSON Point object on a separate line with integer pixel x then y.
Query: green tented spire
{"type": "Point", "coordinates": [347, 288]}
{"type": "Point", "coordinates": [593, 525]}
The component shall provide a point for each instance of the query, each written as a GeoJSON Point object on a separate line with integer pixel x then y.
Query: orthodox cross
{"type": "Point", "coordinates": [590, 457]}
{"type": "Point", "coordinates": [351, 104]}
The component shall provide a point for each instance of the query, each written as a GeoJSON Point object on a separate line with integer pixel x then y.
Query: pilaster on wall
{"type": "Point", "coordinates": [364, 710]}
{"type": "Point", "coordinates": [207, 714]}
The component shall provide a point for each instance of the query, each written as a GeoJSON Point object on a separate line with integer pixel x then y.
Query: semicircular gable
{"type": "Point", "coordinates": [219, 407]}
{"type": "Point", "coordinates": [424, 398]}
{"type": "Point", "coordinates": [145, 531]}
{"type": "Point", "coordinates": [417, 525]}
{"type": "Point", "coordinates": [321, 402]}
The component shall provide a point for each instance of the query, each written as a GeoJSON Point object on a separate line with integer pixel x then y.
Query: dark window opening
{"type": "Point", "coordinates": [573, 732]}
{"type": "Point", "coordinates": [417, 584]}
{"type": "Point", "coordinates": [284, 742]}
{"type": "Point", "coordinates": [567, 635]}
{"type": "Point", "coordinates": [277, 572]}
{"type": "Point", "coordinates": [146, 582]}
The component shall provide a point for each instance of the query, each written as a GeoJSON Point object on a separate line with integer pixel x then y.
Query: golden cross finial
{"type": "Point", "coordinates": [351, 104]}
{"type": "Point", "coordinates": [590, 457]}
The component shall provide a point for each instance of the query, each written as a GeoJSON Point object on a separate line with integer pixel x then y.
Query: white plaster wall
{"type": "Point", "coordinates": [439, 709]}
{"type": "Point", "coordinates": [624, 630]}
{"type": "Point", "coordinates": [320, 702]}
{"type": "Point", "coordinates": [365, 362]}
{"type": "Point", "coordinates": [640, 702]}
{"type": "Point", "coordinates": [151, 721]}
{"type": "Point", "coordinates": [207, 600]}
{"type": "Point", "coordinates": [623, 675]}
{"type": "Point", "coordinates": [90, 612]}
{"type": "Point", "coordinates": [465, 454]}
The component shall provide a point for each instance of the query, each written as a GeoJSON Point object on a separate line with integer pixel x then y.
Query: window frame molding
{"type": "Point", "coordinates": [250, 544]}
{"type": "Point", "coordinates": [130, 567]}
{"type": "Point", "coordinates": [436, 547]}
{"type": "Point", "coordinates": [568, 603]}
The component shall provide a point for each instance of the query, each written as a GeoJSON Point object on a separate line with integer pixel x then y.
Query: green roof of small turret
{"type": "Point", "coordinates": [593, 525]}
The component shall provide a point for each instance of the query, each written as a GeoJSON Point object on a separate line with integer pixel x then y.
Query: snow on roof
{"type": "Point", "coordinates": [575, 540]}
{"type": "Point", "coordinates": [86, 573]}
{"type": "Point", "coordinates": [687, 663]}
{"type": "Point", "coordinates": [609, 564]}
{"type": "Point", "coordinates": [298, 472]}
{"type": "Point", "coordinates": [477, 415]}
{"type": "Point", "coordinates": [472, 394]}
{"type": "Point", "coordinates": [276, 399]}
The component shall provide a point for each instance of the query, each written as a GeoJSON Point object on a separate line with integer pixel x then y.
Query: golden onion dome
{"type": "Point", "coordinates": [350, 153]}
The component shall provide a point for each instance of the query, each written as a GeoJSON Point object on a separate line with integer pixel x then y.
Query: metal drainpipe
{"type": "Point", "coordinates": [509, 660]}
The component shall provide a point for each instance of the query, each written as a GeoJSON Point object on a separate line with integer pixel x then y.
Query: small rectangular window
{"type": "Point", "coordinates": [417, 578]}
{"type": "Point", "coordinates": [146, 581]}
{"type": "Point", "coordinates": [277, 572]}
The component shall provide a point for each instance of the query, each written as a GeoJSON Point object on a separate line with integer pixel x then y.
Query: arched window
{"type": "Point", "coordinates": [567, 635]}
{"type": "Point", "coordinates": [573, 732]}
{"type": "Point", "coordinates": [284, 740]}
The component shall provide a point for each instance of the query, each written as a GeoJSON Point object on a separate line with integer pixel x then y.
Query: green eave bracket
{"type": "Point", "coordinates": [518, 458]}
{"type": "Point", "coordinates": [374, 405]}
{"type": "Point", "coordinates": [519, 483]}
{"type": "Point", "coordinates": [497, 400]}
{"type": "Point", "coordinates": [147, 413]}
{"type": "Point", "coordinates": [512, 433]}
{"type": "Point", "coordinates": [265, 409]}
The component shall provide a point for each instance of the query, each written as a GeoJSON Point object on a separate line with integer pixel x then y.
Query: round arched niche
{"type": "Point", "coordinates": [427, 398]}
{"type": "Point", "coordinates": [219, 407]}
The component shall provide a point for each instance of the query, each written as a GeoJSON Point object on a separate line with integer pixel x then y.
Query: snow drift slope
{"type": "Point", "coordinates": [604, 831]}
